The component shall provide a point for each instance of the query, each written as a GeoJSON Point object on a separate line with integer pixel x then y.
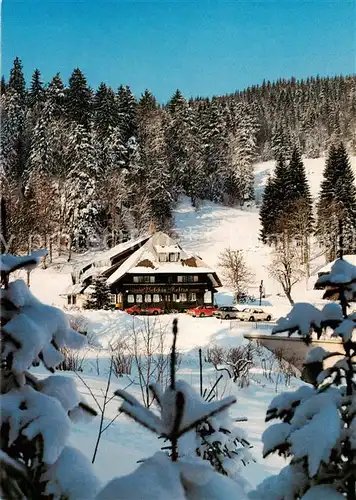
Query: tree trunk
{"type": "Point", "coordinates": [289, 296]}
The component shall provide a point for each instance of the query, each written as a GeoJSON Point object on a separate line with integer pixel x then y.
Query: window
{"type": "Point", "coordinates": [148, 297]}
{"type": "Point", "coordinates": [143, 279]}
{"type": "Point", "coordinates": [175, 297]}
{"type": "Point", "coordinates": [180, 279]}
{"type": "Point", "coordinates": [195, 278]}
{"type": "Point", "coordinates": [72, 300]}
{"type": "Point", "coordinates": [173, 257]}
{"type": "Point", "coordinates": [163, 257]}
{"type": "Point", "coordinates": [156, 297]}
{"type": "Point", "coordinates": [139, 298]}
{"type": "Point", "coordinates": [131, 299]}
{"type": "Point", "coordinates": [193, 297]}
{"type": "Point", "coordinates": [167, 298]}
{"type": "Point", "coordinates": [183, 297]}
{"type": "Point", "coordinates": [112, 298]}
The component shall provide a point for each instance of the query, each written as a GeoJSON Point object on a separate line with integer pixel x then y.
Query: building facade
{"type": "Point", "coordinates": [157, 272]}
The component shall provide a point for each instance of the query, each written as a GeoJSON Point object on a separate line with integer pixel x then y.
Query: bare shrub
{"type": "Point", "coordinates": [121, 358]}
{"type": "Point", "coordinates": [146, 344]}
{"type": "Point", "coordinates": [73, 360]}
{"type": "Point", "coordinates": [275, 368]}
{"type": "Point", "coordinates": [235, 361]}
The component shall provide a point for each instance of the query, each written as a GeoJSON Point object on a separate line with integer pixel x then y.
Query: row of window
{"type": "Point", "coordinates": [156, 297]}
{"type": "Point", "coordinates": [152, 279]}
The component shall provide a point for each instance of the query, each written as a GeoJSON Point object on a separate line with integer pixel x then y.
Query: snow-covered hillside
{"type": "Point", "coordinates": [206, 231]}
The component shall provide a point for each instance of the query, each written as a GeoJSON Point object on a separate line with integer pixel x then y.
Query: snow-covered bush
{"type": "Point", "coordinates": [318, 423]}
{"type": "Point", "coordinates": [217, 439]}
{"type": "Point", "coordinates": [224, 445]}
{"type": "Point", "coordinates": [36, 415]}
{"type": "Point", "coordinates": [169, 475]}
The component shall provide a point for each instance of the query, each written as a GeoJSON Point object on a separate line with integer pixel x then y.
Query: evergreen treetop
{"type": "Point", "coordinates": [79, 99]}
{"type": "Point", "coordinates": [17, 79]}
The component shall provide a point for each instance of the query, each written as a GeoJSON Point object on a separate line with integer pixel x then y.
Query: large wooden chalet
{"type": "Point", "coordinates": [152, 270]}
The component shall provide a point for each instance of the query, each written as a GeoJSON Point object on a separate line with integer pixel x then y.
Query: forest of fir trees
{"type": "Point", "coordinates": [294, 224]}
{"type": "Point", "coordinates": [81, 167]}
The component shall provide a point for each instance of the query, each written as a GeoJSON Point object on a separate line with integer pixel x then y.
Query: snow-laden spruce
{"type": "Point", "coordinates": [36, 415]}
{"type": "Point", "coordinates": [318, 424]}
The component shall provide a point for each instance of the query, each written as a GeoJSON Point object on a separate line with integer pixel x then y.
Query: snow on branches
{"type": "Point", "coordinates": [317, 429]}
{"type": "Point", "coordinates": [36, 415]}
{"type": "Point", "coordinates": [169, 475]}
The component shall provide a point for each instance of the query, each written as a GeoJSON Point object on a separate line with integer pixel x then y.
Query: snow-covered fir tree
{"type": "Point", "coordinates": [36, 94]}
{"type": "Point", "coordinates": [100, 298]}
{"type": "Point", "coordinates": [336, 203]}
{"type": "Point", "coordinates": [36, 414]}
{"type": "Point", "coordinates": [79, 99]}
{"type": "Point", "coordinates": [243, 156]}
{"type": "Point", "coordinates": [81, 185]}
{"type": "Point", "coordinates": [318, 422]}
{"type": "Point", "coordinates": [286, 207]}
{"type": "Point", "coordinates": [17, 80]}
{"type": "Point", "coordinates": [183, 149]}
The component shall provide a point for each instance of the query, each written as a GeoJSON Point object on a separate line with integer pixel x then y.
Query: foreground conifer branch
{"type": "Point", "coordinates": [36, 414]}
{"type": "Point", "coordinates": [318, 424]}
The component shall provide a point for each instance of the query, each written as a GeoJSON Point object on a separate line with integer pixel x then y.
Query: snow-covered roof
{"type": "Point", "coordinates": [104, 259]}
{"type": "Point", "coordinates": [170, 267]}
{"type": "Point", "coordinates": [167, 248]}
{"type": "Point", "coordinates": [327, 268]}
{"type": "Point", "coordinates": [122, 247]}
{"type": "Point", "coordinates": [73, 289]}
{"type": "Point", "coordinates": [93, 271]}
{"type": "Point", "coordinates": [150, 250]}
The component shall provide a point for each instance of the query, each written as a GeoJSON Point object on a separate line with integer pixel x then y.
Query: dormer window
{"type": "Point", "coordinates": [163, 257]}
{"type": "Point", "coordinates": [173, 257]}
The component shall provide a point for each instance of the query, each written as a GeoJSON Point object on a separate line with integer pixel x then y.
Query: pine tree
{"type": "Point", "coordinates": [79, 99]}
{"type": "Point", "coordinates": [36, 413]}
{"type": "Point", "coordinates": [100, 298]}
{"type": "Point", "coordinates": [105, 111]}
{"type": "Point", "coordinates": [3, 86]}
{"type": "Point", "coordinates": [300, 205]}
{"type": "Point", "coordinates": [337, 201]}
{"type": "Point", "coordinates": [275, 203]}
{"type": "Point", "coordinates": [240, 168]}
{"type": "Point", "coordinates": [17, 79]}
{"type": "Point", "coordinates": [147, 103]}
{"type": "Point", "coordinates": [56, 96]}
{"type": "Point", "coordinates": [184, 149]}
{"type": "Point", "coordinates": [81, 186]}
{"type": "Point", "coordinates": [127, 109]}
{"type": "Point", "coordinates": [154, 178]}
{"type": "Point", "coordinates": [13, 136]}
{"type": "Point", "coordinates": [215, 150]}
{"type": "Point", "coordinates": [321, 463]}
{"type": "Point", "coordinates": [36, 94]}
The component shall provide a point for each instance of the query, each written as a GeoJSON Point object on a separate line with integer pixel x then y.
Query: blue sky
{"type": "Point", "coordinates": [202, 47]}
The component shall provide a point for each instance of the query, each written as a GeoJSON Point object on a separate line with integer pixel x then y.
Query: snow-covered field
{"type": "Point", "coordinates": [206, 231]}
